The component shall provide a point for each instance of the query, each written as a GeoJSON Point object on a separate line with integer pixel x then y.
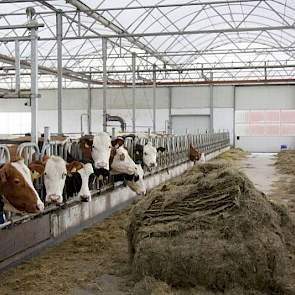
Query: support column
{"type": "Point", "coordinates": [211, 102]}
{"type": "Point", "coordinates": [154, 98]}
{"type": "Point", "coordinates": [170, 109]}
{"type": "Point", "coordinates": [34, 85]}
{"type": "Point", "coordinates": [89, 104]}
{"type": "Point", "coordinates": [133, 93]}
{"type": "Point", "coordinates": [105, 78]}
{"type": "Point", "coordinates": [59, 71]}
{"type": "Point", "coordinates": [234, 125]}
{"type": "Point", "coordinates": [17, 67]}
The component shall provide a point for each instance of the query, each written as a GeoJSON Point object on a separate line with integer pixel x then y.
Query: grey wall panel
{"type": "Point", "coordinates": [190, 97]}
{"type": "Point", "coordinates": [267, 144]}
{"type": "Point", "coordinates": [190, 123]}
{"type": "Point", "coordinates": [265, 97]}
{"type": "Point", "coordinates": [223, 119]}
{"type": "Point", "coordinates": [121, 98]}
{"type": "Point", "coordinates": [223, 96]}
{"type": "Point", "coordinates": [14, 105]}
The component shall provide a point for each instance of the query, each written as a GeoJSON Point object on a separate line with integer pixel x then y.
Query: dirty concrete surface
{"type": "Point", "coordinates": [259, 167]}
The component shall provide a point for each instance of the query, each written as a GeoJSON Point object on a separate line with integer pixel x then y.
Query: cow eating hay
{"type": "Point", "coordinates": [211, 227]}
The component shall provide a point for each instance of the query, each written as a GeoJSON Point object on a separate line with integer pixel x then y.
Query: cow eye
{"type": "Point", "coordinates": [45, 174]}
{"type": "Point", "coordinates": [145, 153]}
{"type": "Point", "coordinates": [16, 181]}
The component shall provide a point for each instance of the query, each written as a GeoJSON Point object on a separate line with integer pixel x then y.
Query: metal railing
{"type": "Point", "coordinates": [176, 152]}
{"type": "Point", "coordinates": [4, 154]}
{"type": "Point", "coordinates": [28, 151]}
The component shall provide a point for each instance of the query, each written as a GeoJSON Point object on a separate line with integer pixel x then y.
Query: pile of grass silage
{"type": "Point", "coordinates": [234, 154]}
{"type": "Point", "coordinates": [285, 162]}
{"type": "Point", "coordinates": [211, 228]}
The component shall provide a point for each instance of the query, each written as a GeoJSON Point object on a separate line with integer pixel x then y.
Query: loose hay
{"type": "Point", "coordinates": [286, 162]}
{"type": "Point", "coordinates": [234, 154]}
{"type": "Point", "coordinates": [211, 227]}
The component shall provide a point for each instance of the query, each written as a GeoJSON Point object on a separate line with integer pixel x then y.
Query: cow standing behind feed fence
{"type": "Point", "coordinates": [170, 150]}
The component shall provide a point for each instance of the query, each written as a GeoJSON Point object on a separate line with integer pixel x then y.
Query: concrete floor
{"type": "Point", "coordinates": [259, 167]}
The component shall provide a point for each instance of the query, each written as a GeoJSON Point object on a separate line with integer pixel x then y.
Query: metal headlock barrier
{"type": "Point", "coordinates": [176, 152]}
{"type": "Point", "coordinates": [4, 154]}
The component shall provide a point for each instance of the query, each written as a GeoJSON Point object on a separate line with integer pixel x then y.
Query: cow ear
{"type": "Point", "coordinates": [3, 175]}
{"type": "Point", "coordinates": [161, 149]}
{"type": "Point", "coordinates": [45, 159]}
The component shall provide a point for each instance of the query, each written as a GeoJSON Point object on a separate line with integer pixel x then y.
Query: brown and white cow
{"type": "Point", "coordinates": [57, 173]}
{"type": "Point", "coordinates": [195, 155]}
{"type": "Point", "coordinates": [17, 189]}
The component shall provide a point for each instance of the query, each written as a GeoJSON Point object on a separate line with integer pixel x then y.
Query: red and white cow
{"type": "Point", "coordinates": [16, 187]}
{"type": "Point", "coordinates": [195, 155]}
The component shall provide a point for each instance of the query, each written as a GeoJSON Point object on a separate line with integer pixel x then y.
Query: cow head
{"type": "Point", "coordinates": [78, 179]}
{"type": "Point", "coordinates": [55, 174]}
{"type": "Point", "coordinates": [101, 150]}
{"type": "Point", "coordinates": [137, 184]}
{"type": "Point", "coordinates": [195, 155]}
{"type": "Point", "coordinates": [133, 173]}
{"type": "Point", "coordinates": [17, 188]}
{"type": "Point", "coordinates": [147, 155]}
{"type": "Point", "coordinates": [85, 144]}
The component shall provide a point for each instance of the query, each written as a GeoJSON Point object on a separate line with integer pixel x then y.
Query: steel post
{"type": "Point", "coordinates": [89, 104]}
{"type": "Point", "coordinates": [170, 109]}
{"type": "Point", "coordinates": [105, 80]}
{"type": "Point", "coordinates": [34, 85]}
{"type": "Point", "coordinates": [59, 71]}
{"type": "Point", "coordinates": [211, 103]}
{"type": "Point", "coordinates": [133, 92]}
{"type": "Point", "coordinates": [17, 67]}
{"type": "Point", "coordinates": [154, 98]}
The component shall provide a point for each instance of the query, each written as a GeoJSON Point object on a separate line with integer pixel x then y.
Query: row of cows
{"type": "Point", "coordinates": [101, 156]}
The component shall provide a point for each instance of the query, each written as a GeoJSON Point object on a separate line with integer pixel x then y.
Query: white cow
{"type": "Point", "coordinates": [55, 174]}
{"type": "Point", "coordinates": [101, 150]}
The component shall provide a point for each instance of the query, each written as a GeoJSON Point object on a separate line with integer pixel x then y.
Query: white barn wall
{"type": "Point", "coordinates": [265, 97]}
{"type": "Point", "coordinates": [186, 100]}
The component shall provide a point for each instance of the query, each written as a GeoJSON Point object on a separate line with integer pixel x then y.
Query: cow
{"type": "Point", "coordinates": [77, 180]}
{"type": "Point", "coordinates": [57, 174]}
{"type": "Point", "coordinates": [99, 150]}
{"type": "Point", "coordinates": [17, 190]}
{"type": "Point", "coordinates": [146, 155]}
{"type": "Point", "coordinates": [195, 155]}
{"type": "Point", "coordinates": [132, 173]}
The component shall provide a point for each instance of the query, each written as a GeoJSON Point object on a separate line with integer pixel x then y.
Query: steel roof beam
{"type": "Point", "coordinates": [80, 77]}
{"type": "Point", "coordinates": [196, 69]}
{"type": "Point", "coordinates": [102, 20]}
{"type": "Point", "coordinates": [198, 32]}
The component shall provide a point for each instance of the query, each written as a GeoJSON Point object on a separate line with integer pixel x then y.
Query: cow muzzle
{"type": "Point", "coordinates": [53, 198]}
{"type": "Point", "coordinates": [100, 165]}
{"type": "Point", "coordinates": [40, 207]}
{"type": "Point", "coordinates": [85, 198]}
